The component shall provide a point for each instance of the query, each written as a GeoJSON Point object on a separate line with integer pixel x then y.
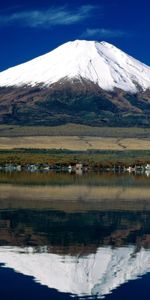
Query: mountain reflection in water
{"type": "Point", "coordinates": [94, 274]}
{"type": "Point", "coordinates": [84, 236]}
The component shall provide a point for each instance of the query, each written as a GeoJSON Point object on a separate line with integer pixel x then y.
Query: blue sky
{"type": "Point", "coordinates": [31, 28]}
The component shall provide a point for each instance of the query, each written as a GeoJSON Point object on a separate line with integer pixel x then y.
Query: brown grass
{"type": "Point", "coordinates": [74, 143]}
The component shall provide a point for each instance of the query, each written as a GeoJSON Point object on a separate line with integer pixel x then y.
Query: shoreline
{"type": "Point", "coordinates": [61, 159]}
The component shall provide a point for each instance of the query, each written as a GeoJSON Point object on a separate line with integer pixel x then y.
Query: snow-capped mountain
{"type": "Point", "coordinates": [101, 63]}
{"type": "Point", "coordinates": [83, 82]}
{"type": "Point", "coordinates": [95, 274]}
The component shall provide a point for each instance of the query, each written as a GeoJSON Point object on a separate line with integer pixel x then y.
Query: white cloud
{"type": "Point", "coordinates": [46, 18]}
{"type": "Point", "coordinates": [103, 33]}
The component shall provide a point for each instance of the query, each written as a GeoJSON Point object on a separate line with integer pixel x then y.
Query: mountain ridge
{"type": "Point", "coordinates": [82, 82]}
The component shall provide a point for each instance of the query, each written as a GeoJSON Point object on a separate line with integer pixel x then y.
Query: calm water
{"type": "Point", "coordinates": [64, 236]}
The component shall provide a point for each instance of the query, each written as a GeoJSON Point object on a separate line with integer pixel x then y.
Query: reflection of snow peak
{"type": "Point", "coordinates": [95, 274]}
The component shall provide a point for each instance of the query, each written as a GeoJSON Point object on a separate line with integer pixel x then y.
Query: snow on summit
{"type": "Point", "coordinates": [101, 63]}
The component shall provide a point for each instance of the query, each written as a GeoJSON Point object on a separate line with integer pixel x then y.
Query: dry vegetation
{"type": "Point", "coordinates": [68, 144]}
{"type": "Point", "coordinates": [74, 143]}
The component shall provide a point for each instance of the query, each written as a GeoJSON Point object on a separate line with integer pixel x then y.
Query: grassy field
{"type": "Point", "coordinates": [71, 143]}
{"type": "Point", "coordinates": [74, 143]}
{"type": "Point", "coordinates": [73, 130]}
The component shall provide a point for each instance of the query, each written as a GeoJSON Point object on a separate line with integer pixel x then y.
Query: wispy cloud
{"type": "Point", "coordinates": [53, 16]}
{"type": "Point", "coordinates": [103, 33]}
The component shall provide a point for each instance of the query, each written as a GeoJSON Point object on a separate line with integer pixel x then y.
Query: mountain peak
{"type": "Point", "coordinates": [98, 62]}
{"type": "Point", "coordinates": [106, 44]}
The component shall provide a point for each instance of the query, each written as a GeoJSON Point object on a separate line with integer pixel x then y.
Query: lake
{"type": "Point", "coordinates": [65, 236]}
